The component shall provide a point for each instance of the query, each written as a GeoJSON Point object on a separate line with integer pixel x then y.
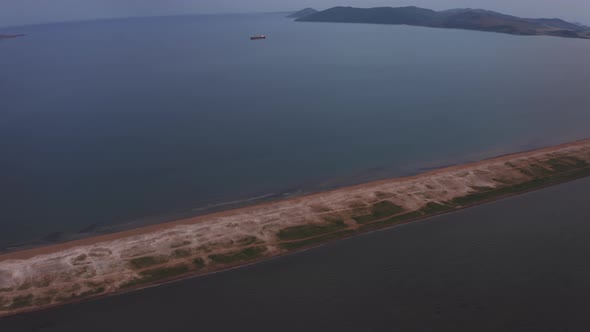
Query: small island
{"type": "Point", "coordinates": [121, 262]}
{"type": "Point", "coordinates": [467, 19]}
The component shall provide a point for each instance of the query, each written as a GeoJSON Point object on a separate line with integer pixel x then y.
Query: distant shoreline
{"type": "Point", "coordinates": [137, 258]}
{"type": "Point", "coordinates": [11, 36]}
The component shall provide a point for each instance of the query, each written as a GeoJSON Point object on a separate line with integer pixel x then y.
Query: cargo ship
{"type": "Point", "coordinates": [258, 37]}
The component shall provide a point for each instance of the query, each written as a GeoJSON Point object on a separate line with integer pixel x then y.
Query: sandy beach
{"type": "Point", "coordinates": [51, 275]}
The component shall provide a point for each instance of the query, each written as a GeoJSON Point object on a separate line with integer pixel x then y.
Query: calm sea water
{"type": "Point", "coordinates": [107, 122]}
{"type": "Point", "coordinates": [519, 264]}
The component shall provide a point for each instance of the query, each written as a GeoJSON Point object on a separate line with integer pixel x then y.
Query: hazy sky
{"type": "Point", "coordinates": [17, 12]}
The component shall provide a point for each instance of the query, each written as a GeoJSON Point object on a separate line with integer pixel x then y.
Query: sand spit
{"type": "Point", "coordinates": [53, 275]}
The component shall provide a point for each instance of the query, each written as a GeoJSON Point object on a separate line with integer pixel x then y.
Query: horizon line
{"type": "Point", "coordinates": [114, 18]}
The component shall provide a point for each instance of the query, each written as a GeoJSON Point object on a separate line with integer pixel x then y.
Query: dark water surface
{"type": "Point", "coordinates": [106, 122]}
{"type": "Point", "coordinates": [520, 264]}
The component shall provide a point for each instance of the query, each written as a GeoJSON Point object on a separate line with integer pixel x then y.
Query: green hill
{"type": "Point", "coordinates": [468, 19]}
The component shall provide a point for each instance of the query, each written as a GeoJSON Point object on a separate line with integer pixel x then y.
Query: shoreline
{"type": "Point", "coordinates": [44, 249]}
{"type": "Point", "coordinates": [277, 228]}
{"type": "Point", "coordinates": [232, 203]}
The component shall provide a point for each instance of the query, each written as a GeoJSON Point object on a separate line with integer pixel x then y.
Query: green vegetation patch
{"type": "Point", "coordinates": [360, 211]}
{"type": "Point", "coordinates": [92, 284]}
{"type": "Point", "coordinates": [25, 286]}
{"type": "Point", "coordinates": [429, 209]}
{"type": "Point", "coordinates": [334, 219]}
{"type": "Point", "coordinates": [154, 275]}
{"type": "Point", "coordinates": [396, 220]}
{"type": "Point", "coordinates": [145, 261]}
{"type": "Point", "coordinates": [540, 171]}
{"type": "Point", "coordinates": [242, 255]}
{"type": "Point", "coordinates": [433, 207]}
{"type": "Point", "coordinates": [566, 164]}
{"type": "Point", "coordinates": [487, 195]}
{"type": "Point", "coordinates": [41, 301]}
{"type": "Point", "coordinates": [182, 253]}
{"type": "Point", "coordinates": [199, 263]}
{"type": "Point", "coordinates": [379, 210]}
{"type": "Point", "coordinates": [248, 240]}
{"type": "Point", "coordinates": [80, 258]}
{"type": "Point", "coordinates": [381, 195]}
{"type": "Point", "coordinates": [509, 164]}
{"type": "Point", "coordinates": [536, 171]}
{"type": "Point", "coordinates": [74, 288]}
{"type": "Point", "coordinates": [317, 240]}
{"type": "Point", "coordinates": [51, 292]}
{"type": "Point", "coordinates": [554, 166]}
{"type": "Point", "coordinates": [526, 172]}
{"type": "Point", "coordinates": [520, 187]}
{"type": "Point", "coordinates": [305, 231]}
{"type": "Point", "coordinates": [45, 282]}
{"type": "Point", "coordinates": [164, 272]}
{"type": "Point", "coordinates": [22, 301]}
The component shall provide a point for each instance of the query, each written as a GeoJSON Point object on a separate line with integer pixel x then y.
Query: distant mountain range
{"type": "Point", "coordinates": [469, 19]}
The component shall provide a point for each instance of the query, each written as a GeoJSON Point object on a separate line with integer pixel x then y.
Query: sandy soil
{"type": "Point", "coordinates": [111, 263]}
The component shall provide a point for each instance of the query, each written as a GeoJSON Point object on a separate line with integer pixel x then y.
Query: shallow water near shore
{"type": "Point", "coordinates": [107, 123]}
{"type": "Point", "coordinates": [518, 264]}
